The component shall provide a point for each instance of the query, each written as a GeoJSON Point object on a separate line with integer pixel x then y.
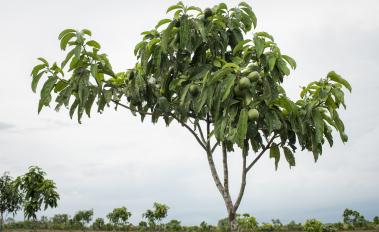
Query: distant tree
{"type": "Point", "coordinates": [210, 74]}
{"type": "Point", "coordinates": [156, 214]}
{"type": "Point", "coordinates": [60, 219]}
{"type": "Point", "coordinates": [354, 219]}
{"type": "Point", "coordinates": [119, 216]}
{"type": "Point", "coordinates": [83, 217]}
{"type": "Point", "coordinates": [205, 227]}
{"type": "Point", "coordinates": [98, 224]}
{"type": "Point", "coordinates": [10, 198]}
{"type": "Point", "coordinates": [376, 220]}
{"type": "Point", "coordinates": [313, 225]}
{"type": "Point", "coordinates": [173, 225]}
{"type": "Point", "coordinates": [293, 226]}
{"type": "Point", "coordinates": [38, 192]}
{"type": "Point", "coordinates": [277, 224]}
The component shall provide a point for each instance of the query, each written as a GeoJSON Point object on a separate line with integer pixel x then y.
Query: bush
{"type": "Point", "coordinates": [247, 223]}
{"type": "Point", "coordinates": [313, 225]}
{"type": "Point", "coordinates": [173, 225]}
{"type": "Point", "coordinates": [354, 219]}
{"type": "Point", "coordinates": [293, 226]}
{"type": "Point", "coordinates": [266, 227]}
{"type": "Point", "coordinates": [329, 228]}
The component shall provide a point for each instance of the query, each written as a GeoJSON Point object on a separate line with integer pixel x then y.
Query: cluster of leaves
{"type": "Point", "coordinates": [204, 66]}
{"type": "Point", "coordinates": [37, 192]}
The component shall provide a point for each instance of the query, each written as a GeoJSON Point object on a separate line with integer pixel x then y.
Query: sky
{"type": "Point", "coordinates": [114, 160]}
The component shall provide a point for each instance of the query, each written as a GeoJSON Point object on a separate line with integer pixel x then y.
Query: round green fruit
{"type": "Point", "coordinates": [253, 114]}
{"type": "Point", "coordinates": [244, 83]}
{"type": "Point", "coordinates": [194, 90]}
{"type": "Point", "coordinates": [208, 13]}
{"type": "Point", "coordinates": [254, 76]}
{"type": "Point", "coordinates": [238, 91]}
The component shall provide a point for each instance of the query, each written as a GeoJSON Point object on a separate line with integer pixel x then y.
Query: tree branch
{"type": "Point", "coordinates": [243, 178]}
{"type": "Point", "coordinates": [225, 166]}
{"type": "Point", "coordinates": [261, 153]}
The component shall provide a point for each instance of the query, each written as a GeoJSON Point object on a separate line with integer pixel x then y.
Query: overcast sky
{"type": "Point", "coordinates": [114, 160]}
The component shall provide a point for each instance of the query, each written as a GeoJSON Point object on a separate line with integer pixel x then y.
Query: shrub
{"type": "Point", "coordinates": [247, 223]}
{"type": "Point", "coordinates": [266, 227]}
{"type": "Point", "coordinates": [313, 225]}
{"type": "Point", "coordinates": [293, 226]}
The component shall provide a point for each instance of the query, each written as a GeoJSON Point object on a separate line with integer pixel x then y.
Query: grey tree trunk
{"type": "Point", "coordinates": [233, 224]}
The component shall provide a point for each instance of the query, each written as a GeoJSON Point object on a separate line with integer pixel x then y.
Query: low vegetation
{"type": "Point", "coordinates": [117, 220]}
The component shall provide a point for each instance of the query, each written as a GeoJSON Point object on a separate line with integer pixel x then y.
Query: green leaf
{"type": "Point", "coordinates": [259, 46]}
{"type": "Point", "coordinates": [184, 32]}
{"type": "Point", "coordinates": [67, 59]}
{"type": "Point", "coordinates": [152, 43]}
{"type": "Point", "coordinates": [227, 86]}
{"type": "Point", "coordinates": [36, 80]}
{"type": "Point", "coordinates": [241, 128]}
{"type": "Point", "coordinates": [64, 32]}
{"type": "Point", "coordinates": [45, 92]}
{"type": "Point", "coordinates": [174, 7]}
{"type": "Point", "coordinates": [60, 85]}
{"type": "Point", "coordinates": [195, 8]}
{"type": "Point", "coordinates": [162, 22]}
{"type": "Point", "coordinates": [73, 107]}
{"type": "Point", "coordinates": [240, 45]}
{"type": "Point", "coordinates": [290, 61]}
{"type": "Point", "coordinates": [318, 124]}
{"type": "Point", "coordinates": [337, 78]}
{"type": "Point", "coordinates": [200, 27]}
{"type": "Point", "coordinates": [271, 61]}
{"type": "Point", "coordinates": [289, 156]}
{"type": "Point", "coordinates": [65, 40]}
{"type": "Point", "coordinates": [282, 66]}
{"type": "Point", "coordinates": [247, 9]}
{"type": "Point", "coordinates": [275, 153]}
{"type": "Point", "coordinates": [43, 61]}
{"type": "Point", "coordinates": [94, 44]}
{"type": "Point", "coordinates": [37, 68]}
{"type": "Point", "coordinates": [219, 74]}
{"type": "Point", "coordinates": [89, 103]}
{"type": "Point", "coordinates": [87, 32]}
{"type": "Point", "coordinates": [265, 34]}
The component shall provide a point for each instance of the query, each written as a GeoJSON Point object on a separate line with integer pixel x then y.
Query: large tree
{"type": "Point", "coordinates": [210, 72]}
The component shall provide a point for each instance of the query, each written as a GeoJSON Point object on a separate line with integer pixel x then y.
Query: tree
{"type": "Point", "coordinates": [119, 216]}
{"type": "Point", "coordinates": [156, 214]}
{"type": "Point", "coordinates": [37, 191]}
{"type": "Point", "coordinates": [354, 219]}
{"type": "Point", "coordinates": [98, 224]}
{"type": "Point", "coordinates": [10, 198]}
{"type": "Point", "coordinates": [83, 217]}
{"type": "Point", "coordinates": [211, 74]}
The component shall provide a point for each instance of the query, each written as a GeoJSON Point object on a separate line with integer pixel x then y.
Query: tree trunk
{"type": "Point", "coordinates": [233, 224]}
